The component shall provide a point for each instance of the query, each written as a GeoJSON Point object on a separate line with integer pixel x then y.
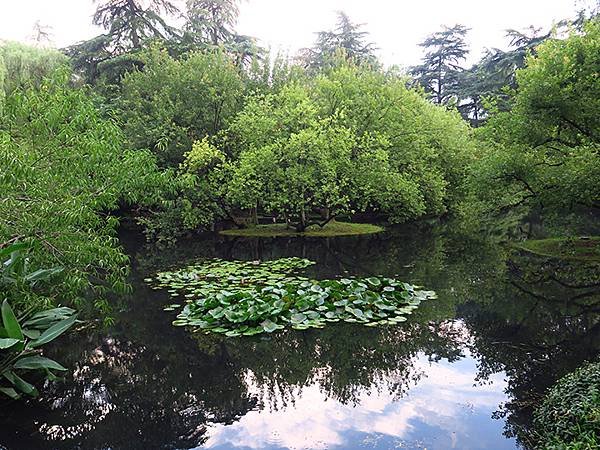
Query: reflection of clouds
{"type": "Point", "coordinates": [445, 407]}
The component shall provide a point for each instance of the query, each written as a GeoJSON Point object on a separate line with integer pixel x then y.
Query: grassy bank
{"type": "Point", "coordinates": [330, 230]}
{"type": "Point", "coordinates": [576, 248]}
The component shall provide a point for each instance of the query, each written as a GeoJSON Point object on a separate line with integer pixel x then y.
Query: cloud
{"type": "Point", "coordinates": [441, 404]}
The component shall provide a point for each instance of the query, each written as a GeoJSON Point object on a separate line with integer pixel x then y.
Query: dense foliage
{"type": "Point", "coordinates": [190, 127]}
{"type": "Point", "coordinates": [63, 171]}
{"type": "Point", "coordinates": [569, 417]}
{"type": "Point", "coordinates": [171, 103]}
{"type": "Point", "coordinates": [351, 139]}
{"type": "Point", "coordinates": [22, 65]}
{"type": "Point", "coordinates": [544, 152]}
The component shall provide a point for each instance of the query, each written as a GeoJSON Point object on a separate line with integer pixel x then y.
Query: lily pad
{"type": "Point", "coordinates": [245, 298]}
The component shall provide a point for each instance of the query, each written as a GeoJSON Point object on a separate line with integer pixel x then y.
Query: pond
{"type": "Point", "coordinates": [463, 372]}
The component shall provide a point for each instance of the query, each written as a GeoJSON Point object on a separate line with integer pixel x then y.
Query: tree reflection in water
{"type": "Point", "coordinates": [146, 384]}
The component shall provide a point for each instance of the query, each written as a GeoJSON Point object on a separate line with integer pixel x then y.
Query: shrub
{"type": "Point", "coordinates": [569, 417]}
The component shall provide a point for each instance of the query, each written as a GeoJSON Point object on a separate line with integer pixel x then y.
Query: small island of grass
{"type": "Point", "coordinates": [573, 248]}
{"type": "Point", "coordinates": [330, 230]}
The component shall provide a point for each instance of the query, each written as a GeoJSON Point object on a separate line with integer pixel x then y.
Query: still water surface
{"type": "Point", "coordinates": [462, 373]}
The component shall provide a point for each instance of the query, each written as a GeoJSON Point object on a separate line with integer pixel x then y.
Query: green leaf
{"type": "Point", "coordinates": [298, 317]}
{"type": "Point", "coordinates": [7, 342]}
{"type": "Point", "coordinates": [13, 329]}
{"type": "Point", "coordinates": [7, 251]}
{"type": "Point", "coordinates": [42, 274]}
{"type": "Point", "coordinates": [10, 392]}
{"type": "Point", "coordinates": [230, 297]}
{"type": "Point", "coordinates": [54, 331]}
{"type": "Point", "coordinates": [374, 281]}
{"type": "Point", "coordinates": [21, 384]}
{"type": "Point", "coordinates": [253, 331]}
{"type": "Point", "coordinates": [32, 334]}
{"type": "Point", "coordinates": [269, 326]}
{"type": "Point", "coordinates": [47, 316]}
{"type": "Point", "coordinates": [37, 362]}
{"type": "Point", "coordinates": [357, 313]}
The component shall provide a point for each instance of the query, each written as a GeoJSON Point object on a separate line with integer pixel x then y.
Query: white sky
{"type": "Point", "coordinates": [396, 26]}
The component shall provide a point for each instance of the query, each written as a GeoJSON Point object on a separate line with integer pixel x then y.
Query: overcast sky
{"type": "Point", "coordinates": [396, 26]}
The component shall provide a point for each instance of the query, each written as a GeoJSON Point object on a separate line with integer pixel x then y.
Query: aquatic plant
{"type": "Point", "coordinates": [247, 298]}
{"type": "Point", "coordinates": [213, 275]}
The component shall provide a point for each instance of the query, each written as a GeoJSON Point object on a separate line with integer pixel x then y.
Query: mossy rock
{"type": "Point", "coordinates": [332, 229]}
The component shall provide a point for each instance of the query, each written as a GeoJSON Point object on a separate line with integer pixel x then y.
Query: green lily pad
{"type": "Point", "coordinates": [245, 298]}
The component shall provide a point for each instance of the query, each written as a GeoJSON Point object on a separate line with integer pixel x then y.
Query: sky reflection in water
{"type": "Point", "coordinates": [445, 409]}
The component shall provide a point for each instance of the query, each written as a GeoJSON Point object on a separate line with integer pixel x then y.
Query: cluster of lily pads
{"type": "Point", "coordinates": [238, 298]}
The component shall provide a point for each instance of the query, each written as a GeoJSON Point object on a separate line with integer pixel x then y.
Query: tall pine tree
{"type": "Point", "coordinates": [129, 25]}
{"type": "Point", "coordinates": [130, 22]}
{"type": "Point", "coordinates": [439, 73]}
{"type": "Point", "coordinates": [346, 38]}
{"type": "Point", "coordinates": [211, 21]}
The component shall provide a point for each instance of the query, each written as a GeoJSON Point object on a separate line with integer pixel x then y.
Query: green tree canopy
{"type": "Point", "coordinates": [211, 21]}
{"type": "Point", "coordinates": [545, 151]}
{"type": "Point", "coordinates": [63, 171]}
{"type": "Point", "coordinates": [130, 22]}
{"type": "Point", "coordinates": [170, 103]}
{"type": "Point", "coordinates": [130, 25]}
{"type": "Point", "coordinates": [353, 139]}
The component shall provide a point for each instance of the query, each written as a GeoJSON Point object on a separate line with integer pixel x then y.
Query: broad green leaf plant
{"type": "Point", "coordinates": [21, 338]}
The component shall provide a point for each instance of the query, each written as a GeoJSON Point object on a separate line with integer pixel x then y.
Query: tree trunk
{"type": "Point", "coordinates": [439, 80]}
{"type": "Point", "coordinates": [301, 227]}
{"type": "Point", "coordinates": [255, 215]}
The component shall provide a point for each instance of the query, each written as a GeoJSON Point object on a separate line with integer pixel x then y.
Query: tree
{"type": "Point", "coordinates": [351, 139]}
{"type": "Point", "coordinates": [63, 171]}
{"type": "Point", "coordinates": [493, 77]}
{"type": "Point", "coordinates": [544, 152]}
{"type": "Point", "coordinates": [296, 178]}
{"type": "Point", "coordinates": [171, 103]}
{"type": "Point", "coordinates": [211, 21]}
{"type": "Point", "coordinates": [346, 39]}
{"type": "Point", "coordinates": [22, 66]}
{"type": "Point", "coordinates": [428, 145]}
{"type": "Point", "coordinates": [209, 25]}
{"type": "Point", "coordinates": [129, 25]}
{"type": "Point", "coordinates": [441, 66]}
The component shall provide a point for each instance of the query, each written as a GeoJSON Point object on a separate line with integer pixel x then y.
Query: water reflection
{"type": "Point", "coordinates": [444, 399]}
{"type": "Point", "coordinates": [462, 373]}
